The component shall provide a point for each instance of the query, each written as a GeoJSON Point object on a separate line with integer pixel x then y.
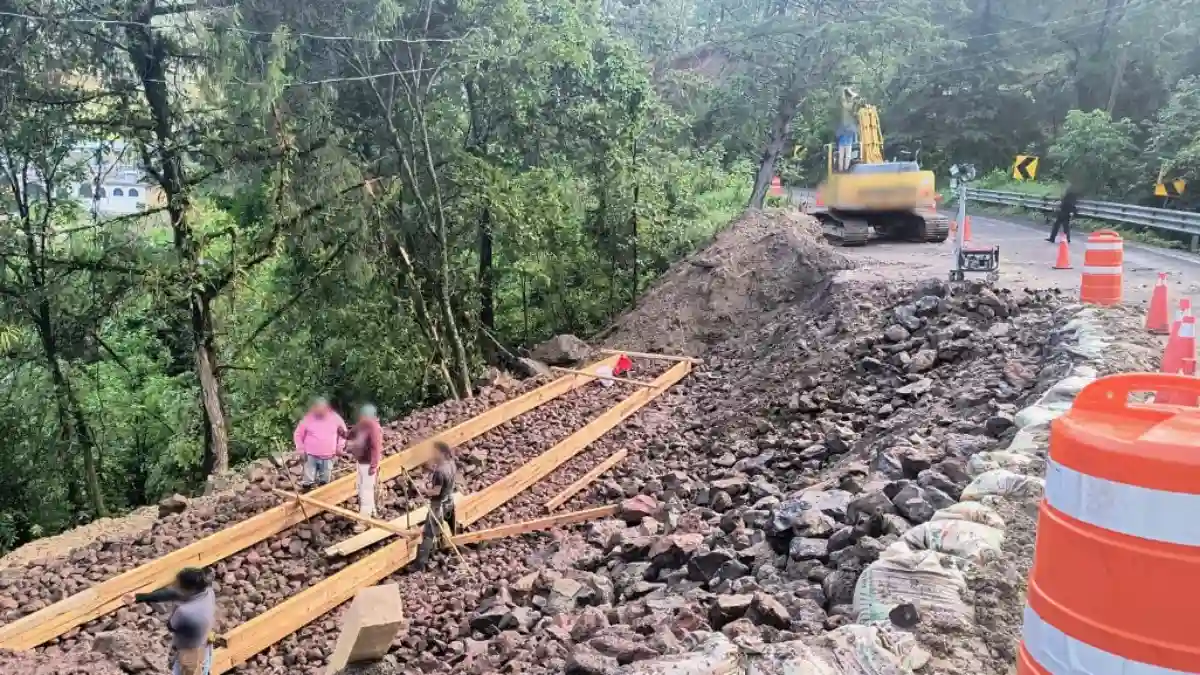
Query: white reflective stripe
{"type": "Point", "coordinates": [1102, 271]}
{"type": "Point", "coordinates": [1156, 515]}
{"type": "Point", "coordinates": [1105, 247]}
{"type": "Point", "coordinates": [1061, 654]}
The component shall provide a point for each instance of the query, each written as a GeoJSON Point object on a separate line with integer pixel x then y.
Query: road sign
{"type": "Point", "coordinates": [1025, 167]}
{"type": "Point", "coordinates": [1171, 189]}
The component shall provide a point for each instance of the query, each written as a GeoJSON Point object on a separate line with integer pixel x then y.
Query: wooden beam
{"type": "Point", "coordinates": [306, 606]}
{"type": "Point", "coordinates": [647, 355]}
{"type": "Point", "coordinates": [491, 497]}
{"type": "Point", "coordinates": [598, 376]}
{"type": "Point", "coordinates": [549, 522]}
{"type": "Point", "coordinates": [345, 513]}
{"type": "Point", "coordinates": [410, 523]}
{"type": "Point", "coordinates": [572, 489]}
{"type": "Point", "coordinates": [53, 621]}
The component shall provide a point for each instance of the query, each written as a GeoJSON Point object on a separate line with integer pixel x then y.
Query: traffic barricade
{"type": "Point", "coordinates": [1103, 258]}
{"type": "Point", "coordinates": [1113, 587]}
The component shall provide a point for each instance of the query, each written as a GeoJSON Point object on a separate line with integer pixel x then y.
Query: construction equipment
{"type": "Point", "coordinates": [864, 196]}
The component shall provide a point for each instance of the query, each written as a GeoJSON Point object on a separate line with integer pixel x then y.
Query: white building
{"type": "Point", "coordinates": [111, 184]}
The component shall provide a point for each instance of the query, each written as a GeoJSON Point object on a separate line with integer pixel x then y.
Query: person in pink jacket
{"type": "Point", "coordinates": [319, 439]}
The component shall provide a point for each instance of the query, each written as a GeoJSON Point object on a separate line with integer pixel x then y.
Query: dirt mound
{"type": "Point", "coordinates": [763, 260]}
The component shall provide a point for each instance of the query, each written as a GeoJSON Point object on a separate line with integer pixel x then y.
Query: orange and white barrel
{"type": "Point", "coordinates": [1113, 587]}
{"type": "Point", "coordinates": [1103, 258]}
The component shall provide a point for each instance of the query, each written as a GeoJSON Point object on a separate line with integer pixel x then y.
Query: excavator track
{"type": "Point", "coordinates": [935, 228]}
{"type": "Point", "coordinates": [843, 230]}
{"type": "Point", "coordinates": [857, 230]}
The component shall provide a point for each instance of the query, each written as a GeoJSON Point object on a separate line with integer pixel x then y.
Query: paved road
{"type": "Point", "coordinates": [1027, 260]}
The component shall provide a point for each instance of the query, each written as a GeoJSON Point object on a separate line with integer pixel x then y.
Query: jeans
{"type": "Point", "coordinates": [432, 532]}
{"type": "Point", "coordinates": [1065, 223]}
{"type": "Point", "coordinates": [365, 484]}
{"type": "Point", "coordinates": [192, 663]}
{"type": "Point", "coordinates": [317, 470]}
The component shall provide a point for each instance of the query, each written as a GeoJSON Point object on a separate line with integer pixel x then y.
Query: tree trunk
{"type": "Point", "coordinates": [69, 412]}
{"type": "Point", "coordinates": [487, 291]}
{"type": "Point", "coordinates": [148, 55]}
{"type": "Point", "coordinates": [775, 143]}
{"type": "Point", "coordinates": [216, 459]}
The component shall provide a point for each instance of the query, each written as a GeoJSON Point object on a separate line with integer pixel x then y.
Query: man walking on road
{"type": "Point", "coordinates": [365, 444]}
{"type": "Point", "coordinates": [319, 438]}
{"type": "Point", "coordinates": [1068, 207]}
{"type": "Point", "coordinates": [440, 490]}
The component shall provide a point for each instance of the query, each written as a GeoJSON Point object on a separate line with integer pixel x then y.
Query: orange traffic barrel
{"type": "Point", "coordinates": [1102, 260]}
{"type": "Point", "coordinates": [1113, 587]}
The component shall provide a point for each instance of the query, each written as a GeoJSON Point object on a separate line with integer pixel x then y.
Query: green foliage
{"type": "Point", "coordinates": [1094, 152]}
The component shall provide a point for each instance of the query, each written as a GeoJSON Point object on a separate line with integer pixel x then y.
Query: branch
{"type": "Point", "coordinates": [267, 246]}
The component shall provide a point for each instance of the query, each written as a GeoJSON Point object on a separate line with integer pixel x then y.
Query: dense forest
{"type": "Point", "coordinates": [375, 199]}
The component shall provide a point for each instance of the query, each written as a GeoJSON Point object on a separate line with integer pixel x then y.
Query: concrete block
{"type": "Point", "coordinates": [374, 619]}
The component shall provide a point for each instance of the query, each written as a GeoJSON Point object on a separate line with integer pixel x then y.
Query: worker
{"type": "Point", "coordinates": [440, 490]}
{"type": "Point", "coordinates": [319, 438]}
{"type": "Point", "coordinates": [192, 621]}
{"type": "Point", "coordinates": [1068, 207]}
{"type": "Point", "coordinates": [365, 445]}
{"type": "Point", "coordinates": [845, 146]}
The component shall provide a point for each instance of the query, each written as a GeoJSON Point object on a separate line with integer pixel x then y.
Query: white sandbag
{"type": "Point", "coordinates": [975, 512]}
{"type": "Point", "coordinates": [1003, 483]}
{"type": "Point", "coordinates": [717, 655]}
{"type": "Point", "coordinates": [848, 650]}
{"type": "Point", "coordinates": [982, 462]}
{"type": "Point", "coordinates": [961, 538]}
{"type": "Point", "coordinates": [927, 579]}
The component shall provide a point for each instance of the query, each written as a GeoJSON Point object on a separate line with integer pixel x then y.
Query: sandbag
{"type": "Point", "coordinates": [982, 462]}
{"type": "Point", "coordinates": [1003, 483]}
{"type": "Point", "coordinates": [927, 579]}
{"type": "Point", "coordinates": [848, 650]}
{"type": "Point", "coordinates": [961, 538]}
{"type": "Point", "coordinates": [715, 656]}
{"type": "Point", "coordinates": [976, 512]}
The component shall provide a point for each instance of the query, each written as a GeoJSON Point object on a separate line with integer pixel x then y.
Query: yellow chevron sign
{"type": "Point", "coordinates": [1172, 188]}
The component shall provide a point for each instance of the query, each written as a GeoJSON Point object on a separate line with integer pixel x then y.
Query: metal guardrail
{"type": "Point", "coordinates": [1183, 222]}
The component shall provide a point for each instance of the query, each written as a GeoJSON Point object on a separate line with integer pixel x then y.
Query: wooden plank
{"type": "Point", "coordinates": [598, 376]}
{"type": "Point", "coordinates": [646, 355]}
{"type": "Point", "coordinates": [409, 522]}
{"type": "Point", "coordinates": [345, 513]}
{"type": "Point", "coordinates": [572, 489]}
{"type": "Point", "coordinates": [306, 606]}
{"type": "Point", "coordinates": [502, 490]}
{"type": "Point", "coordinates": [546, 523]}
{"type": "Point", "coordinates": [51, 622]}
{"type": "Point", "coordinates": [374, 536]}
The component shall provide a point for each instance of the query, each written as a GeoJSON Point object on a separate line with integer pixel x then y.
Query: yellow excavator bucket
{"type": "Point", "coordinates": [869, 135]}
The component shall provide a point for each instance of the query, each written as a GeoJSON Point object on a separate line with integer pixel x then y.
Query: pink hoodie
{"type": "Point", "coordinates": [318, 436]}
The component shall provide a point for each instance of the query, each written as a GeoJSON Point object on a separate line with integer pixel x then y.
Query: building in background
{"type": "Point", "coordinates": [110, 182]}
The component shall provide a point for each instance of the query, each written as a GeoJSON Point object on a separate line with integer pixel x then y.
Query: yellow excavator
{"type": "Point", "coordinates": [865, 197]}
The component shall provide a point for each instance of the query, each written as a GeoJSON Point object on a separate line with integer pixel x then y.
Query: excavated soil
{"type": "Point", "coordinates": [763, 260]}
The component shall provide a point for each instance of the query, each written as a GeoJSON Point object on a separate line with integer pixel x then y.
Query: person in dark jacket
{"type": "Point", "coordinates": [190, 623]}
{"type": "Point", "coordinates": [1068, 207]}
{"type": "Point", "coordinates": [440, 490]}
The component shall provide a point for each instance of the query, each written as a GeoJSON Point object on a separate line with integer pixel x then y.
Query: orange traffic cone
{"type": "Point", "coordinates": [776, 187]}
{"type": "Point", "coordinates": [1185, 309]}
{"type": "Point", "coordinates": [1157, 319]}
{"type": "Point", "coordinates": [966, 228]}
{"type": "Point", "coordinates": [820, 199]}
{"type": "Point", "coordinates": [1182, 347]}
{"type": "Point", "coordinates": [1064, 256]}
